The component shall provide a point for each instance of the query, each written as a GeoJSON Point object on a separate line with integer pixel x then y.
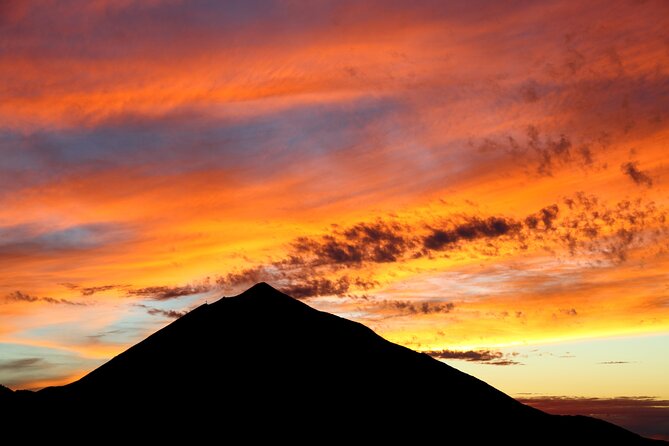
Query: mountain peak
{"type": "Point", "coordinates": [264, 353]}
{"type": "Point", "coordinates": [261, 288]}
{"type": "Point", "coordinates": [260, 297]}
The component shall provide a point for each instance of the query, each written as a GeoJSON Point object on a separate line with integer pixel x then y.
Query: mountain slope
{"type": "Point", "coordinates": [265, 357]}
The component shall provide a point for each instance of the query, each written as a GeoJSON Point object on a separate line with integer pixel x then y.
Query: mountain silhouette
{"type": "Point", "coordinates": [265, 360]}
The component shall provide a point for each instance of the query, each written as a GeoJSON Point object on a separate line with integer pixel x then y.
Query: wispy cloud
{"type": "Point", "coordinates": [405, 307]}
{"type": "Point", "coordinates": [91, 290]}
{"type": "Point", "coordinates": [18, 296]}
{"type": "Point", "coordinates": [163, 292]}
{"type": "Point", "coordinates": [20, 364]}
{"type": "Point", "coordinates": [38, 240]}
{"type": "Point", "coordinates": [170, 314]}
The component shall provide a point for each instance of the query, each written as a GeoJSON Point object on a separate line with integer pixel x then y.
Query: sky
{"type": "Point", "coordinates": [482, 181]}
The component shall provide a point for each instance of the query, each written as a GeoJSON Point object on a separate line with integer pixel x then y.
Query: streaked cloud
{"type": "Point", "coordinates": [18, 296]}
{"type": "Point", "coordinates": [25, 238]}
{"type": "Point", "coordinates": [163, 292]}
{"type": "Point", "coordinates": [20, 364]}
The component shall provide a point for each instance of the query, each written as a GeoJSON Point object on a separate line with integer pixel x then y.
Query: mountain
{"type": "Point", "coordinates": [265, 364]}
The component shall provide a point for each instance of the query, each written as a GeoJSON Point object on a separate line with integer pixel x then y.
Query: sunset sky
{"type": "Point", "coordinates": [484, 181]}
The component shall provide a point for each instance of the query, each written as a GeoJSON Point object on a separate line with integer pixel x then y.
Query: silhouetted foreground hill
{"type": "Point", "coordinates": [262, 363]}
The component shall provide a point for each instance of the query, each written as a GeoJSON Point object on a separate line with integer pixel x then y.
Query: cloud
{"type": "Point", "coordinates": [646, 416]}
{"type": "Point", "coordinates": [295, 279]}
{"type": "Point", "coordinates": [474, 228]}
{"type": "Point", "coordinates": [18, 296]}
{"type": "Point", "coordinates": [172, 314]}
{"type": "Point", "coordinates": [89, 291]}
{"type": "Point", "coordinates": [545, 217]}
{"type": "Point", "coordinates": [542, 154]}
{"type": "Point", "coordinates": [317, 287]}
{"type": "Point", "coordinates": [587, 226]}
{"type": "Point", "coordinates": [21, 364]}
{"type": "Point", "coordinates": [504, 362]}
{"type": "Point", "coordinates": [570, 312]}
{"type": "Point", "coordinates": [491, 357]}
{"type": "Point", "coordinates": [163, 292]}
{"type": "Point", "coordinates": [406, 307]}
{"type": "Point", "coordinates": [611, 231]}
{"type": "Point", "coordinates": [641, 178]}
{"type": "Point", "coordinates": [38, 240]}
{"type": "Point", "coordinates": [383, 241]}
{"type": "Point", "coordinates": [131, 143]}
{"type": "Point", "coordinates": [614, 362]}
{"type": "Point", "coordinates": [550, 151]}
{"type": "Point", "coordinates": [390, 241]}
{"type": "Point", "coordinates": [247, 276]}
{"type": "Point", "coordinates": [377, 242]}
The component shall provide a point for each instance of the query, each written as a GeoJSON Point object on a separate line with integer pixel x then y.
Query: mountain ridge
{"type": "Point", "coordinates": [265, 353]}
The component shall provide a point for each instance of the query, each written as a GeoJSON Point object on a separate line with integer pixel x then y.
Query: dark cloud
{"type": "Point", "coordinates": [474, 228]}
{"type": "Point", "coordinates": [89, 291]}
{"type": "Point", "coordinates": [544, 218]}
{"type": "Point", "coordinates": [312, 265]}
{"type": "Point", "coordinates": [21, 364]}
{"type": "Point", "coordinates": [468, 355]}
{"type": "Point", "coordinates": [541, 154]}
{"type": "Point", "coordinates": [609, 231]}
{"type": "Point", "coordinates": [409, 307]}
{"type": "Point", "coordinates": [483, 356]}
{"type": "Point", "coordinates": [644, 415]}
{"type": "Point", "coordinates": [550, 152]}
{"type": "Point", "coordinates": [295, 279]}
{"type": "Point", "coordinates": [23, 297]}
{"type": "Point", "coordinates": [641, 178]}
{"type": "Point", "coordinates": [585, 225]}
{"type": "Point", "coordinates": [172, 314]}
{"type": "Point", "coordinates": [570, 312]}
{"type": "Point", "coordinates": [247, 276]}
{"type": "Point", "coordinates": [614, 362]}
{"type": "Point", "coordinates": [114, 332]}
{"type": "Point", "coordinates": [171, 292]}
{"type": "Point", "coordinates": [384, 241]}
{"type": "Point", "coordinates": [318, 287]}
{"type": "Point", "coordinates": [299, 274]}
{"type": "Point", "coordinates": [378, 242]}
{"type": "Point", "coordinates": [505, 362]}
{"type": "Point", "coordinates": [578, 227]}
